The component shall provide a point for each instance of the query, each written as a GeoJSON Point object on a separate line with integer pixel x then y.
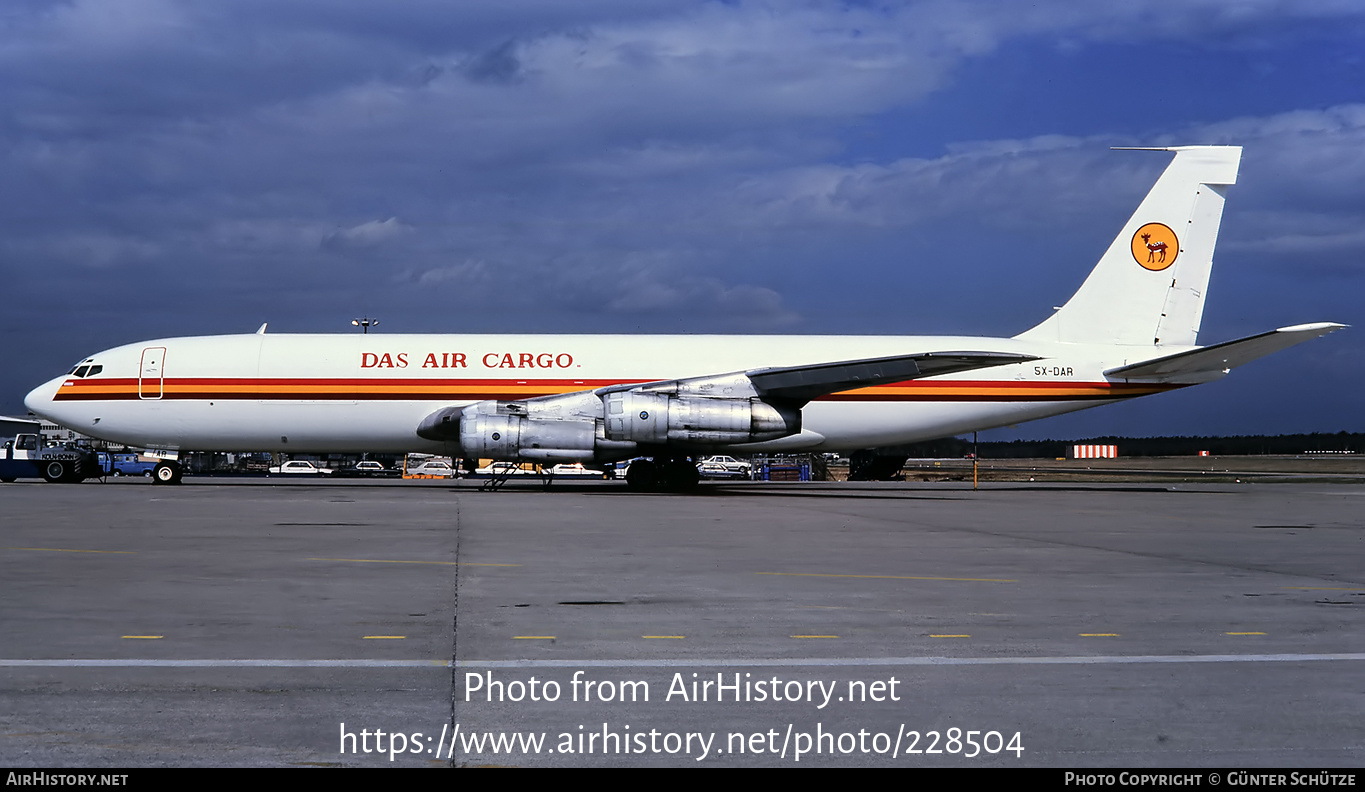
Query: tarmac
{"type": "Point", "coordinates": [269, 622]}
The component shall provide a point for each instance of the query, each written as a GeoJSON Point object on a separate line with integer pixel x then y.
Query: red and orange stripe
{"type": "Point", "coordinates": [418, 389]}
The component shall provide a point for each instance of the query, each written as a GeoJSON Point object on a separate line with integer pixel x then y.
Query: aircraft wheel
{"type": "Point", "coordinates": [867, 466]}
{"type": "Point", "coordinates": [680, 475]}
{"type": "Point", "coordinates": [166, 473]}
{"type": "Point", "coordinates": [643, 475]}
{"type": "Point", "coordinates": [54, 472]}
{"type": "Point", "coordinates": [669, 475]}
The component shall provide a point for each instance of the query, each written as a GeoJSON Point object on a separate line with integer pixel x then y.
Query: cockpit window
{"type": "Point", "coordinates": [83, 369]}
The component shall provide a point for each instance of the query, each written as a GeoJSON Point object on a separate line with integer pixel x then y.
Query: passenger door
{"type": "Point", "coordinates": [149, 382]}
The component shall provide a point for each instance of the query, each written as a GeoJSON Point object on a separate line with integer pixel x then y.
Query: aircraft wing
{"type": "Point", "coordinates": [792, 386]}
{"type": "Point", "coordinates": [804, 383]}
{"type": "Point", "coordinates": [801, 384]}
{"type": "Point", "coordinates": [1217, 360]}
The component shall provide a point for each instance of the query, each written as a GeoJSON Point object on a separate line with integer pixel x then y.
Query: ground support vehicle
{"type": "Point", "coordinates": [127, 464]}
{"type": "Point", "coordinates": [784, 470]}
{"type": "Point", "coordinates": [25, 457]}
{"type": "Point", "coordinates": [498, 473]}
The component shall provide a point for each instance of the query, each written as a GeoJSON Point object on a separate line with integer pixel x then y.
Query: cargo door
{"type": "Point", "coordinates": [149, 382]}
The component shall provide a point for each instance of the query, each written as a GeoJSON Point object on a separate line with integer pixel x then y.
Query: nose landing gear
{"type": "Point", "coordinates": [166, 473]}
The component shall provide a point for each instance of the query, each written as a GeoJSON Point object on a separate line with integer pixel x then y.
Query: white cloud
{"type": "Point", "coordinates": [365, 235]}
{"type": "Point", "coordinates": [469, 274]}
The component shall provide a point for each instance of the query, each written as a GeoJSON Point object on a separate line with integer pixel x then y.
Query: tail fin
{"type": "Point", "coordinates": [1148, 289]}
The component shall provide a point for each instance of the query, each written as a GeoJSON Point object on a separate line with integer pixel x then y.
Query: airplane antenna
{"type": "Point", "coordinates": [261, 330]}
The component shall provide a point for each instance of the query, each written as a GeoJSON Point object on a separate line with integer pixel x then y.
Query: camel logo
{"type": "Point", "coordinates": [1155, 247]}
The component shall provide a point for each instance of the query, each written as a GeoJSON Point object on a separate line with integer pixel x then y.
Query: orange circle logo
{"type": "Point", "coordinates": [1155, 247]}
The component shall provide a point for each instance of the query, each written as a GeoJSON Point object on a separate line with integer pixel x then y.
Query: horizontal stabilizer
{"type": "Point", "coordinates": [804, 383]}
{"type": "Point", "coordinates": [1218, 359]}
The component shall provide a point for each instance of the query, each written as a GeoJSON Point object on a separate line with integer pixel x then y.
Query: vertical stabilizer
{"type": "Point", "coordinates": [1148, 289]}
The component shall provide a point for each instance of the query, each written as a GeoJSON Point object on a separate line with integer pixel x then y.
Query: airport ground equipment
{"type": "Point", "coordinates": [127, 464]}
{"type": "Point", "coordinates": [25, 457]}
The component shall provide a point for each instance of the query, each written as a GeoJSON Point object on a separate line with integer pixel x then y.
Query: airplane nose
{"type": "Point", "coordinates": [39, 400]}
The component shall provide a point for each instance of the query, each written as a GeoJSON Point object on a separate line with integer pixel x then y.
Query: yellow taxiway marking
{"type": "Point", "coordinates": [69, 550]}
{"type": "Point", "coordinates": [143, 637]}
{"type": "Point", "coordinates": [814, 636]}
{"type": "Point", "coordinates": [533, 637]}
{"type": "Point", "coordinates": [1244, 633]}
{"type": "Point", "coordinates": [384, 637]}
{"type": "Point", "coordinates": [932, 635]}
{"type": "Point", "coordinates": [890, 577]}
{"type": "Point", "coordinates": [392, 561]}
{"type": "Point", "coordinates": [674, 637]}
{"type": "Point", "coordinates": [1099, 635]}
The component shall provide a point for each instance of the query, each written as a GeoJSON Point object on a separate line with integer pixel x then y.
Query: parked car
{"type": "Point", "coordinates": [301, 467]}
{"type": "Point", "coordinates": [715, 470]}
{"type": "Point", "coordinates": [731, 465]}
{"type": "Point", "coordinates": [574, 469]}
{"type": "Point", "coordinates": [503, 468]}
{"type": "Point", "coordinates": [432, 467]}
{"type": "Point", "coordinates": [368, 468]}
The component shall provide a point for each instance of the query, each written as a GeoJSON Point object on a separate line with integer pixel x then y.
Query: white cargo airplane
{"type": "Point", "coordinates": [1129, 331]}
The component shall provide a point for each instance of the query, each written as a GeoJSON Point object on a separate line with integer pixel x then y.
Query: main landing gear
{"type": "Point", "coordinates": [870, 466]}
{"type": "Point", "coordinates": [663, 474]}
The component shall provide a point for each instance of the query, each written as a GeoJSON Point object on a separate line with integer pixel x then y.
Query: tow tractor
{"type": "Point", "coordinates": [25, 457]}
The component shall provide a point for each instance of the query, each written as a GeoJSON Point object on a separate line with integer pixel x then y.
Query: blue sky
{"type": "Point", "coordinates": [626, 166]}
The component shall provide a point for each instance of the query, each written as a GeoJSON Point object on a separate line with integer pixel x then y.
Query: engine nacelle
{"type": "Point", "coordinates": [659, 419]}
{"type": "Point", "coordinates": [510, 436]}
{"type": "Point", "coordinates": [587, 429]}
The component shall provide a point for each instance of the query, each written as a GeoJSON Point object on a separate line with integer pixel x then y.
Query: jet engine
{"type": "Point", "coordinates": [664, 419]}
{"type": "Point", "coordinates": [614, 425]}
{"type": "Point", "coordinates": [511, 436]}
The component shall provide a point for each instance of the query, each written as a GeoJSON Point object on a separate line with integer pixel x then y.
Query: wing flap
{"type": "Point", "coordinates": [1218, 359]}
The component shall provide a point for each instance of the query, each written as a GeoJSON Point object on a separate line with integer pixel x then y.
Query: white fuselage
{"type": "Point", "coordinates": [323, 393]}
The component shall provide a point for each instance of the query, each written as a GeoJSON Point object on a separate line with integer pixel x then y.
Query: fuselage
{"type": "Point", "coordinates": [331, 393]}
